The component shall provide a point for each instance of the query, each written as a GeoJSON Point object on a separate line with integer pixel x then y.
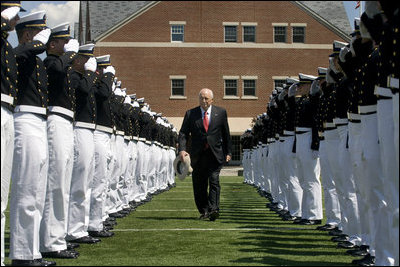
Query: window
{"type": "Point", "coordinates": [280, 34]}
{"type": "Point", "coordinates": [279, 83]}
{"type": "Point", "coordinates": [299, 34]}
{"type": "Point", "coordinates": [249, 88]}
{"type": "Point", "coordinates": [230, 34]}
{"type": "Point", "coordinates": [178, 87]}
{"type": "Point", "coordinates": [230, 87]}
{"type": "Point", "coordinates": [177, 33]}
{"type": "Point", "coordinates": [249, 34]}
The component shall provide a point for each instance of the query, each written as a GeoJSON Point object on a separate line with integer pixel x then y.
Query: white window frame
{"type": "Point", "coordinates": [178, 77]}
{"type": "Point", "coordinates": [177, 23]}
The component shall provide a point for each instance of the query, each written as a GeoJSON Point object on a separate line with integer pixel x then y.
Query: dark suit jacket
{"type": "Point", "coordinates": [218, 136]}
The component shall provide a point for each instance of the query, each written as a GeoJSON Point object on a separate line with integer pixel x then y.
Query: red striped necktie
{"type": "Point", "coordinates": [205, 121]}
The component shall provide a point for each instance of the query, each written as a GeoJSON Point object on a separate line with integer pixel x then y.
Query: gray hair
{"type": "Point", "coordinates": [207, 90]}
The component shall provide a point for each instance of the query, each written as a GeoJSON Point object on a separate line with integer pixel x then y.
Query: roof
{"type": "Point", "coordinates": [106, 16]}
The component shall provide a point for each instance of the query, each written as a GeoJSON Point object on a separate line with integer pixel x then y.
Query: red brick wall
{"type": "Point", "coordinates": [146, 71]}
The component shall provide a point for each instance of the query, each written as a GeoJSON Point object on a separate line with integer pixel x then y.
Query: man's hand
{"type": "Point", "coordinates": [228, 158]}
{"type": "Point", "coordinates": [183, 154]}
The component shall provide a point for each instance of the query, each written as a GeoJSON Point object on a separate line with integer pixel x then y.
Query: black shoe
{"type": "Point", "coordinates": [340, 238]}
{"type": "Point", "coordinates": [310, 222]}
{"type": "Point", "coordinates": [116, 215]}
{"type": "Point", "coordinates": [37, 262]}
{"type": "Point", "coordinates": [335, 232]}
{"type": "Point", "coordinates": [102, 233]}
{"type": "Point", "coordinates": [290, 218]}
{"type": "Point", "coordinates": [368, 260]}
{"type": "Point", "coordinates": [347, 245]}
{"type": "Point", "coordinates": [204, 216]}
{"type": "Point", "coordinates": [86, 240]}
{"type": "Point", "coordinates": [61, 254]}
{"type": "Point", "coordinates": [214, 215]}
{"type": "Point", "coordinates": [297, 220]}
{"type": "Point", "coordinates": [362, 251]}
{"type": "Point", "coordinates": [72, 245]}
{"type": "Point", "coordinates": [326, 227]}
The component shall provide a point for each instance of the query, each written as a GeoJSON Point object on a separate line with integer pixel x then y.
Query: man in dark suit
{"type": "Point", "coordinates": [210, 148]}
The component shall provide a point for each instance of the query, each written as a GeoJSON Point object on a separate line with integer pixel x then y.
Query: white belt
{"type": "Point", "coordinates": [120, 132]}
{"type": "Point", "coordinates": [303, 129]}
{"type": "Point", "coordinates": [135, 138]}
{"type": "Point", "coordinates": [82, 124]}
{"type": "Point", "coordinates": [104, 129]}
{"type": "Point", "coordinates": [329, 124]}
{"type": "Point", "coordinates": [33, 109]}
{"type": "Point", "coordinates": [321, 134]}
{"type": "Point", "coordinates": [8, 99]}
{"type": "Point", "coordinates": [173, 148]}
{"type": "Point", "coordinates": [148, 142]}
{"type": "Point", "coordinates": [264, 145]}
{"type": "Point", "coordinates": [288, 132]}
{"type": "Point", "coordinates": [142, 139]}
{"type": "Point", "coordinates": [61, 110]}
{"type": "Point", "coordinates": [382, 91]}
{"type": "Point", "coordinates": [340, 121]}
{"type": "Point", "coordinates": [276, 135]}
{"type": "Point", "coordinates": [260, 143]}
{"type": "Point", "coordinates": [127, 137]}
{"type": "Point", "coordinates": [393, 82]}
{"type": "Point", "coordinates": [353, 116]}
{"type": "Point", "coordinates": [367, 109]}
{"type": "Point", "coordinates": [271, 139]}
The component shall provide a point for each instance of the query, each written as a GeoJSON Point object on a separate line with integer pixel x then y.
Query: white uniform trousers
{"type": "Point", "coordinates": [294, 192]}
{"type": "Point", "coordinates": [82, 175]}
{"type": "Point", "coordinates": [53, 228]}
{"type": "Point", "coordinates": [28, 187]}
{"type": "Point", "coordinates": [141, 169]}
{"type": "Point", "coordinates": [246, 167]}
{"type": "Point", "coordinates": [259, 176]}
{"type": "Point", "coordinates": [7, 153]}
{"type": "Point", "coordinates": [332, 206]}
{"type": "Point", "coordinates": [134, 191]}
{"type": "Point", "coordinates": [309, 173]}
{"type": "Point", "coordinates": [172, 156]}
{"type": "Point", "coordinates": [164, 168]}
{"type": "Point", "coordinates": [120, 142]}
{"type": "Point", "coordinates": [151, 169]}
{"type": "Point", "coordinates": [272, 159]}
{"type": "Point", "coordinates": [283, 180]}
{"type": "Point", "coordinates": [388, 161]}
{"type": "Point", "coordinates": [113, 178]}
{"type": "Point", "coordinates": [126, 178]}
{"type": "Point", "coordinates": [264, 163]}
{"type": "Point", "coordinates": [372, 173]}
{"type": "Point", "coordinates": [362, 188]}
{"type": "Point", "coordinates": [350, 196]}
{"type": "Point", "coordinates": [102, 161]}
{"type": "Point", "coordinates": [251, 165]}
{"type": "Point", "coordinates": [395, 226]}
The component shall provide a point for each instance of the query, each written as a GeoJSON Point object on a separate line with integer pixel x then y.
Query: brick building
{"type": "Point", "coordinates": [166, 51]}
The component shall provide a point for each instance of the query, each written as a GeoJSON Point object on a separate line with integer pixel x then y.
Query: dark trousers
{"type": "Point", "coordinates": [206, 174]}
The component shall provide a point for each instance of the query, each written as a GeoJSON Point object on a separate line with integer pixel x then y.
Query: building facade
{"type": "Point", "coordinates": [166, 51]}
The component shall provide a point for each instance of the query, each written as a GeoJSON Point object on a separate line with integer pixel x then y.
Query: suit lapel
{"type": "Point", "coordinates": [214, 117]}
{"type": "Point", "coordinates": [199, 121]}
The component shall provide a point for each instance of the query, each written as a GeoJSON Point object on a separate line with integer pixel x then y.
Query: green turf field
{"type": "Point", "coordinates": [166, 232]}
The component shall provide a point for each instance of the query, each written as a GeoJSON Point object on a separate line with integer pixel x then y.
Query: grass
{"type": "Point", "coordinates": [166, 232]}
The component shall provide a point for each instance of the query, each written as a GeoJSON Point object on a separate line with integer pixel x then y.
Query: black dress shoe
{"type": "Point", "coordinates": [310, 222]}
{"type": "Point", "coordinates": [36, 262]}
{"type": "Point", "coordinates": [214, 215]}
{"type": "Point", "coordinates": [346, 244]}
{"type": "Point", "coordinates": [61, 254]}
{"type": "Point", "coordinates": [326, 227]}
{"type": "Point", "coordinates": [204, 216]}
{"type": "Point", "coordinates": [86, 240]}
{"type": "Point", "coordinates": [362, 251]}
{"type": "Point", "coordinates": [335, 232]}
{"type": "Point", "coordinates": [340, 238]}
{"type": "Point", "coordinates": [116, 215]}
{"type": "Point", "coordinates": [72, 245]}
{"type": "Point", "coordinates": [368, 260]}
{"type": "Point", "coordinates": [102, 233]}
{"type": "Point", "coordinates": [297, 220]}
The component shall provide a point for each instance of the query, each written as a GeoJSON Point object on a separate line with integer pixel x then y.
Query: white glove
{"type": "Point", "coordinates": [315, 88]}
{"type": "Point", "coordinates": [353, 53]}
{"type": "Point", "coordinates": [118, 84]}
{"type": "Point", "coordinates": [292, 90]}
{"type": "Point", "coordinates": [10, 13]}
{"type": "Point", "coordinates": [372, 8]}
{"type": "Point", "coordinates": [329, 78]}
{"type": "Point", "coordinates": [42, 36]}
{"type": "Point", "coordinates": [332, 65]}
{"type": "Point", "coordinates": [282, 94]}
{"type": "Point", "coordinates": [109, 69]}
{"type": "Point", "coordinates": [91, 64]}
{"type": "Point", "coordinates": [343, 52]}
{"type": "Point", "coordinates": [72, 46]}
{"type": "Point", "coordinates": [315, 154]}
